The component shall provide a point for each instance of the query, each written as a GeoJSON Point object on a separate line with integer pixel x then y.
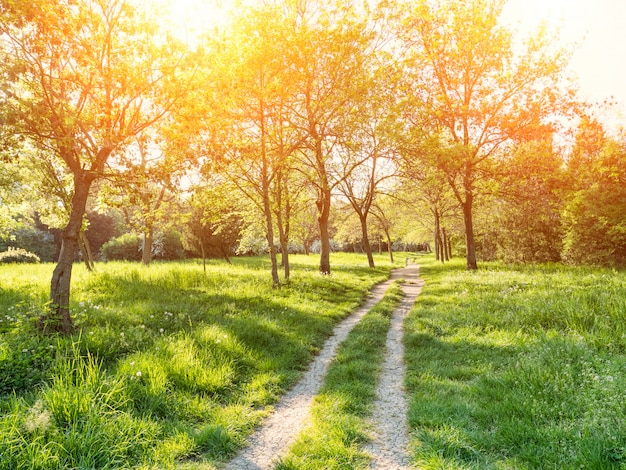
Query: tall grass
{"type": "Point", "coordinates": [518, 367]}
{"type": "Point", "coordinates": [167, 364]}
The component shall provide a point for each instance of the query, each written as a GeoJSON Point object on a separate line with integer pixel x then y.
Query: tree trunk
{"type": "Point", "coordinates": [203, 252]}
{"type": "Point", "coordinates": [58, 318]}
{"type": "Point", "coordinates": [366, 241]}
{"type": "Point", "coordinates": [444, 244]}
{"type": "Point", "coordinates": [389, 247]}
{"type": "Point", "coordinates": [323, 206]}
{"type": "Point", "coordinates": [283, 235]}
{"type": "Point", "coordinates": [470, 243]}
{"type": "Point", "coordinates": [306, 243]}
{"type": "Point", "coordinates": [437, 235]}
{"type": "Point", "coordinates": [225, 254]}
{"type": "Point", "coordinates": [270, 240]}
{"type": "Point", "coordinates": [148, 240]}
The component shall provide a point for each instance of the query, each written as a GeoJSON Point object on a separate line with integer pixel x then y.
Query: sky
{"type": "Point", "coordinates": [598, 27]}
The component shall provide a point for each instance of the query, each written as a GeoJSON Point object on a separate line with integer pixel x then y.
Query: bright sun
{"type": "Point", "coordinates": [191, 18]}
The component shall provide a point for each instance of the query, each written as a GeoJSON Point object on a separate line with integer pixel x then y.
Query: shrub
{"type": "Point", "coordinates": [125, 247]}
{"type": "Point", "coordinates": [18, 255]}
{"type": "Point", "coordinates": [168, 246]}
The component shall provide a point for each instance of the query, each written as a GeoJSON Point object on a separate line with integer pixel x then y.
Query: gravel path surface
{"type": "Point", "coordinates": [391, 434]}
{"type": "Point", "coordinates": [281, 428]}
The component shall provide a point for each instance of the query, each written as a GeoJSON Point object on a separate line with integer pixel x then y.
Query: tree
{"type": "Point", "coordinates": [370, 153]}
{"type": "Point", "coordinates": [142, 188]}
{"type": "Point", "coordinates": [595, 203]}
{"type": "Point", "coordinates": [384, 222]}
{"type": "Point", "coordinates": [85, 78]}
{"type": "Point", "coordinates": [481, 91]}
{"type": "Point", "coordinates": [327, 59]}
{"type": "Point", "coordinates": [244, 135]}
{"type": "Point", "coordinates": [215, 224]}
{"type": "Point", "coordinates": [530, 194]}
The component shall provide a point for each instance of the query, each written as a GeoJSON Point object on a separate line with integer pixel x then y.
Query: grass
{"type": "Point", "coordinates": [168, 366]}
{"type": "Point", "coordinates": [339, 426]}
{"type": "Point", "coordinates": [518, 368]}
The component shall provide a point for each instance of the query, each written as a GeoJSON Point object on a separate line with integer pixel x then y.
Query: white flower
{"type": "Point", "coordinates": [138, 374]}
{"type": "Point", "coordinates": [122, 333]}
{"type": "Point", "coordinates": [160, 330]}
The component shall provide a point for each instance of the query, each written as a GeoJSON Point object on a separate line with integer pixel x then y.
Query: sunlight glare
{"type": "Point", "coordinates": [596, 29]}
{"type": "Point", "coordinates": [190, 19]}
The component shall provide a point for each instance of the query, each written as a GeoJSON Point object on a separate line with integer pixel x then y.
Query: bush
{"type": "Point", "coordinates": [18, 255]}
{"type": "Point", "coordinates": [32, 239]}
{"type": "Point", "coordinates": [168, 246]}
{"type": "Point", "coordinates": [125, 247]}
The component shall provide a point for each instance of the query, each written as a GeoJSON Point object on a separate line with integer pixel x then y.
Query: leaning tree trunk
{"type": "Point", "coordinates": [57, 318]}
{"type": "Point", "coordinates": [85, 250]}
{"type": "Point", "coordinates": [366, 241]}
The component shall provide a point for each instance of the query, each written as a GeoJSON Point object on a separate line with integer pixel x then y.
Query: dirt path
{"type": "Point", "coordinates": [391, 434]}
{"type": "Point", "coordinates": [282, 427]}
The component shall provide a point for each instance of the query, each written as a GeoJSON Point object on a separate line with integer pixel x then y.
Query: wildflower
{"type": "Point", "coordinates": [160, 330]}
{"type": "Point", "coordinates": [38, 418]}
{"type": "Point", "coordinates": [122, 333]}
{"type": "Point", "coordinates": [138, 374]}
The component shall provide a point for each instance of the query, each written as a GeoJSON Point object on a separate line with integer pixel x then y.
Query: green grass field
{"type": "Point", "coordinates": [168, 365]}
{"type": "Point", "coordinates": [508, 367]}
{"type": "Point", "coordinates": [518, 368]}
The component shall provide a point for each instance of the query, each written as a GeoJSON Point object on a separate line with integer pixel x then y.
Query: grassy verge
{"type": "Point", "coordinates": [338, 426]}
{"type": "Point", "coordinates": [168, 364]}
{"type": "Point", "coordinates": [518, 368]}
